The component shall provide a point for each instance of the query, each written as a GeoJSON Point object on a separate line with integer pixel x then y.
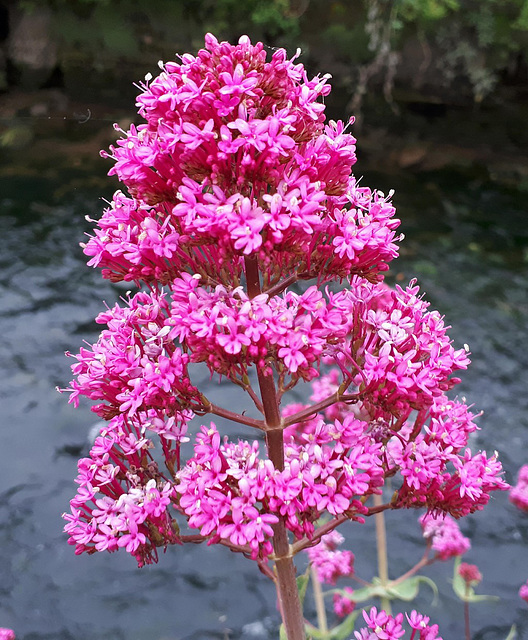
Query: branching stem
{"type": "Point", "coordinates": [286, 583]}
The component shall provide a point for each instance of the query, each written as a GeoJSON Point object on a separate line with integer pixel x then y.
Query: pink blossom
{"type": "Point", "coordinates": [469, 573]}
{"type": "Point", "coordinates": [384, 626]}
{"type": "Point", "coordinates": [523, 592]}
{"type": "Point", "coordinates": [330, 562]}
{"type": "Point", "coordinates": [444, 533]}
{"type": "Point", "coordinates": [344, 603]}
{"type": "Point", "coordinates": [519, 493]}
{"type": "Point", "coordinates": [7, 634]}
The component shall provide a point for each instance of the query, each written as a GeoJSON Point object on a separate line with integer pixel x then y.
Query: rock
{"type": "Point", "coordinates": [30, 46]}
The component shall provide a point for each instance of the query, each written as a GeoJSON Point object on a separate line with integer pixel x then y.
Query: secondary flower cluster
{"type": "Point", "coordinates": [382, 625]}
{"type": "Point", "coordinates": [140, 379]}
{"type": "Point", "coordinates": [330, 562]}
{"type": "Point", "coordinates": [519, 493]}
{"type": "Point", "coordinates": [229, 492]}
{"type": "Point", "coordinates": [445, 536]}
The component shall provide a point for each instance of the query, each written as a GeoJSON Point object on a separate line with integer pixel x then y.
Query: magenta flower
{"type": "Point", "coordinates": [469, 573]}
{"type": "Point", "coordinates": [445, 536]}
{"type": "Point", "coordinates": [330, 562]}
{"type": "Point", "coordinates": [343, 603]}
{"type": "Point", "coordinates": [523, 592]}
{"type": "Point", "coordinates": [7, 634]}
{"type": "Point", "coordinates": [519, 493]}
{"type": "Point", "coordinates": [383, 626]}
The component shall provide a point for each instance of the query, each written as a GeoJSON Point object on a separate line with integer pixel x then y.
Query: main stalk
{"type": "Point", "coordinates": [286, 583]}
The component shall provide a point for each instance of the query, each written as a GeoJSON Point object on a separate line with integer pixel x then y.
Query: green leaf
{"type": "Point", "coordinates": [366, 593]}
{"type": "Point", "coordinates": [465, 592]}
{"type": "Point", "coordinates": [282, 633]}
{"type": "Point", "coordinates": [302, 584]}
{"type": "Point", "coordinates": [513, 633]}
{"type": "Point", "coordinates": [340, 632]}
{"type": "Point", "coordinates": [345, 629]}
{"type": "Point", "coordinates": [408, 589]}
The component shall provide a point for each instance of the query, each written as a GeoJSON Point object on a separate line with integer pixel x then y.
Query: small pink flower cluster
{"type": "Point", "coordinates": [330, 562]}
{"type": "Point", "coordinates": [445, 535]}
{"type": "Point", "coordinates": [469, 573]}
{"type": "Point", "coordinates": [7, 634]}
{"type": "Point", "coordinates": [523, 592]}
{"type": "Point", "coordinates": [386, 627]}
{"type": "Point", "coordinates": [519, 493]}
{"type": "Point", "coordinates": [229, 492]}
{"type": "Point", "coordinates": [344, 603]}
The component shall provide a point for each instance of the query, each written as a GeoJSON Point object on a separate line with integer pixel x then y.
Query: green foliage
{"type": "Point", "coordinates": [470, 42]}
{"type": "Point", "coordinates": [406, 590]}
{"type": "Point", "coordinates": [342, 631]}
{"type": "Point", "coordinates": [465, 592]}
{"type": "Point", "coordinates": [425, 10]}
{"type": "Point", "coordinates": [269, 20]}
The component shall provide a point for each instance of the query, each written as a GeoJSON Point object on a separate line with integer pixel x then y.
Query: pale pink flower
{"type": "Point", "coordinates": [445, 535]}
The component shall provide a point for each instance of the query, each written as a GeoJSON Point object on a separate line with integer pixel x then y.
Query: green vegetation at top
{"type": "Point", "coordinates": [462, 48]}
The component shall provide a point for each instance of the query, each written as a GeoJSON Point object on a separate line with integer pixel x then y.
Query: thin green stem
{"type": "Point", "coordinates": [423, 562]}
{"type": "Point", "coordinates": [466, 615]}
{"type": "Point", "coordinates": [381, 542]}
{"type": "Point", "coordinates": [322, 622]}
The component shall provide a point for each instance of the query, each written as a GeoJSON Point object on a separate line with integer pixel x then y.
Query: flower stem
{"type": "Point", "coordinates": [466, 615]}
{"type": "Point", "coordinates": [286, 583]}
{"type": "Point", "coordinates": [381, 540]}
{"type": "Point", "coordinates": [319, 602]}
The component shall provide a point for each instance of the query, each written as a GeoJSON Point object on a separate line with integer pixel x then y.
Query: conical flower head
{"type": "Point", "coordinates": [235, 160]}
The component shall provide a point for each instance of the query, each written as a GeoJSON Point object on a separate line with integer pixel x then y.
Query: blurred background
{"type": "Point", "coordinates": [439, 89]}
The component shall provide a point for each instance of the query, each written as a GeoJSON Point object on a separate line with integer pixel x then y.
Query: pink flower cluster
{"type": "Point", "coordinates": [330, 562]}
{"type": "Point", "coordinates": [235, 160]}
{"type": "Point", "coordinates": [229, 492]}
{"type": "Point", "coordinates": [343, 603]}
{"type": "Point", "coordinates": [469, 573]}
{"type": "Point", "coordinates": [519, 493]}
{"type": "Point", "coordinates": [7, 634]}
{"type": "Point", "coordinates": [445, 536]}
{"type": "Point", "coordinates": [237, 190]}
{"type": "Point", "coordinates": [523, 592]}
{"type": "Point", "coordinates": [383, 626]}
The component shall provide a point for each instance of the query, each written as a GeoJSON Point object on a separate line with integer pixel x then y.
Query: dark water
{"type": "Point", "coordinates": [467, 242]}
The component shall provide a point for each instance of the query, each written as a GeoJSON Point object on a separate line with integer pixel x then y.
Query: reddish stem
{"type": "Point", "coordinates": [286, 583]}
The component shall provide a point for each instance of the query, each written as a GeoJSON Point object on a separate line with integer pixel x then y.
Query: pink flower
{"type": "Point", "coordinates": [330, 562]}
{"type": "Point", "coordinates": [344, 603]}
{"type": "Point", "coordinates": [444, 533]}
{"type": "Point", "coordinates": [469, 573]}
{"type": "Point", "coordinates": [523, 592]}
{"type": "Point", "coordinates": [383, 626]}
{"type": "Point", "coordinates": [519, 493]}
{"type": "Point", "coordinates": [7, 634]}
